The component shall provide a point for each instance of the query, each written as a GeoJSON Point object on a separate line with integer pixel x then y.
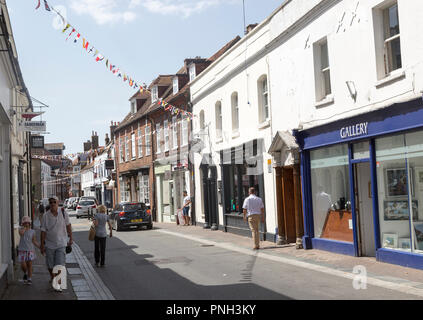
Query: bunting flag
{"type": "Point", "coordinates": [46, 5]}
{"type": "Point", "coordinates": [113, 68]}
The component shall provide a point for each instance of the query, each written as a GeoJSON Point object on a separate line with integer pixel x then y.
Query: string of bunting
{"type": "Point", "coordinates": [90, 49]}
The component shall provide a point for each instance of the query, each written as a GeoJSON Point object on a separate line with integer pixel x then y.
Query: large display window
{"type": "Point", "coordinates": [330, 183]}
{"type": "Point", "coordinates": [399, 162]}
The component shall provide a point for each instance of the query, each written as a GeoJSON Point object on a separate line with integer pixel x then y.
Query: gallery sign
{"type": "Point", "coordinates": [37, 142]}
{"type": "Point", "coordinates": [360, 129]}
{"type": "Point", "coordinates": [28, 126]}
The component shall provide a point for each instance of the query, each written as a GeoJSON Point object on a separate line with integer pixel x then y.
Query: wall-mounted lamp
{"type": "Point", "coordinates": [352, 89]}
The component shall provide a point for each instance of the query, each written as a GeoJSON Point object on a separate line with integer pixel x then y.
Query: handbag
{"type": "Point", "coordinates": [68, 248]}
{"type": "Point", "coordinates": [91, 235]}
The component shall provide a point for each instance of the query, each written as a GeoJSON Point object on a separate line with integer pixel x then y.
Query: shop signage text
{"type": "Point", "coordinates": [360, 129]}
{"type": "Point", "coordinates": [27, 126]}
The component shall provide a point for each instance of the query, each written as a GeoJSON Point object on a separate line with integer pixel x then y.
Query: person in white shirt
{"type": "Point", "coordinates": [253, 211]}
{"type": "Point", "coordinates": [185, 208]}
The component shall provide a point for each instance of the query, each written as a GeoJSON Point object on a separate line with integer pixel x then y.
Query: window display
{"type": "Point", "coordinates": [331, 193]}
{"type": "Point", "coordinates": [399, 169]}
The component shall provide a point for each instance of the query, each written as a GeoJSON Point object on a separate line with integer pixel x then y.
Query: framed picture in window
{"type": "Point", "coordinates": [404, 243]}
{"type": "Point", "coordinates": [396, 182]}
{"type": "Point", "coordinates": [398, 210]}
{"type": "Point", "coordinates": [390, 240]}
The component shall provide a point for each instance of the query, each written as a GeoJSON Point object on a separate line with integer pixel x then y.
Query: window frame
{"type": "Point", "coordinates": [387, 39]}
{"type": "Point", "coordinates": [175, 85]}
{"type": "Point", "coordinates": [140, 151]}
{"type": "Point", "coordinates": [263, 95]}
{"type": "Point", "coordinates": [235, 112]}
{"type": "Point", "coordinates": [175, 132]}
{"type": "Point", "coordinates": [148, 145]}
{"type": "Point", "coordinates": [218, 120]}
{"type": "Point", "coordinates": [158, 138]}
{"type": "Point", "coordinates": [166, 135]}
{"type": "Point", "coordinates": [154, 94]}
{"type": "Point", "coordinates": [192, 72]}
{"type": "Point", "coordinates": [133, 146]}
{"type": "Point", "coordinates": [185, 135]}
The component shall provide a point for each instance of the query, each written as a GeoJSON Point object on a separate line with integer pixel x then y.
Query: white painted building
{"type": "Point", "coordinates": [15, 193]}
{"type": "Point", "coordinates": [48, 183]}
{"type": "Point", "coordinates": [347, 81]}
{"type": "Point", "coordinates": [232, 110]}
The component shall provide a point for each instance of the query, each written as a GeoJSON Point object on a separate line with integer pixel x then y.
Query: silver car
{"type": "Point", "coordinates": [85, 208]}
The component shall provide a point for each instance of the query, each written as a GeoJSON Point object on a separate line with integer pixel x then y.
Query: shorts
{"type": "Point", "coordinates": [186, 211]}
{"type": "Point", "coordinates": [26, 256]}
{"type": "Point", "coordinates": [55, 257]}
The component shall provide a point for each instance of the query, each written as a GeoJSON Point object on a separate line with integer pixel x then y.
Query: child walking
{"type": "Point", "coordinates": [26, 251]}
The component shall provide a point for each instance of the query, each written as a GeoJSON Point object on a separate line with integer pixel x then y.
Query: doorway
{"type": "Point", "coordinates": [364, 210]}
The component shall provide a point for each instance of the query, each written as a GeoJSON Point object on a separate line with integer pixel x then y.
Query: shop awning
{"type": "Point", "coordinates": [284, 149]}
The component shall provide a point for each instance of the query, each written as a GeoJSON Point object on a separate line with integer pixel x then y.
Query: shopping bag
{"type": "Point", "coordinates": [91, 235]}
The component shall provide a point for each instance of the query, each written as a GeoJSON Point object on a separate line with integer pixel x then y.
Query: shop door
{"type": "Point", "coordinates": [364, 210]}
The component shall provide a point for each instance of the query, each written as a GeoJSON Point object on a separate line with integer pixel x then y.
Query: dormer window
{"type": "Point", "coordinates": [192, 73]}
{"type": "Point", "coordinates": [175, 85]}
{"type": "Point", "coordinates": [133, 107]}
{"type": "Point", "coordinates": [154, 94]}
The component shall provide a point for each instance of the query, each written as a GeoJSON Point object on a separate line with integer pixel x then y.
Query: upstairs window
{"type": "Point", "coordinates": [147, 141]}
{"type": "Point", "coordinates": [133, 107]}
{"type": "Point", "coordinates": [322, 70]}
{"type": "Point", "coordinates": [121, 150]}
{"type": "Point", "coordinates": [175, 85]}
{"type": "Point", "coordinates": [392, 43]}
{"type": "Point", "coordinates": [192, 73]}
{"type": "Point", "coordinates": [174, 132]}
{"type": "Point", "coordinates": [158, 137]}
{"type": "Point", "coordinates": [202, 120]}
{"type": "Point", "coordinates": [166, 135]}
{"type": "Point", "coordinates": [127, 148]}
{"type": "Point", "coordinates": [139, 143]}
{"type": "Point", "coordinates": [235, 112]}
{"type": "Point", "coordinates": [263, 94]}
{"type": "Point", "coordinates": [185, 132]}
{"type": "Point", "coordinates": [133, 146]}
{"type": "Point", "coordinates": [219, 119]}
{"type": "Point", "coordinates": [155, 94]}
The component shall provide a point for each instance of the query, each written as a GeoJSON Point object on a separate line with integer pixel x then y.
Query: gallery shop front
{"type": "Point", "coordinates": [363, 185]}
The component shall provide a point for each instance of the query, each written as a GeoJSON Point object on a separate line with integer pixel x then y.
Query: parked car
{"type": "Point", "coordinates": [89, 198]}
{"type": "Point", "coordinates": [84, 206]}
{"type": "Point", "coordinates": [129, 214]}
{"type": "Point", "coordinates": [65, 203]}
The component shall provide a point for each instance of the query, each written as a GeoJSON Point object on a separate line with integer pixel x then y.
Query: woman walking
{"type": "Point", "coordinates": [100, 219]}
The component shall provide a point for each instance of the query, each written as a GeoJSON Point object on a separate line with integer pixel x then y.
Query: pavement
{"type": "Point", "coordinates": [84, 282]}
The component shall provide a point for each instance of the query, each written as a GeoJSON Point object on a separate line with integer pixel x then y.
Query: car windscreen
{"type": "Point", "coordinates": [86, 203]}
{"type": "Point", "coordinates": [133, 207]}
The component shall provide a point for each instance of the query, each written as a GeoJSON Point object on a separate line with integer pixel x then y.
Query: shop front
{"type": "Point", "coordinates": [241, 168]}
{"type": "Point", "coordinates": [362, 185]}
{"type": "Point", "coordinates": [165, 193]}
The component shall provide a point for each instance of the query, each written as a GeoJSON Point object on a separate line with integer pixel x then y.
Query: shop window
{"type": "Point", "coordinates": [331, 200]}
{"type": "Point", "coordinates": [400, 187]}
{"type": "Point", "coordinates": [144, 189]}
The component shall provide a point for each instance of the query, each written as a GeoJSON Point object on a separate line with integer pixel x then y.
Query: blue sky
{"type": "Point", "coordinates": [143, 37]}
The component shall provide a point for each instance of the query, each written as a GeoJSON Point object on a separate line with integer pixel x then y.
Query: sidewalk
{"type": "Point", "coordinates": [41, 288]}
{"type": "Point", "coordinates": [381, 274]}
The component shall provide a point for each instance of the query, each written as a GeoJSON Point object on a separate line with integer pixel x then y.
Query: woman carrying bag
{"type": "Point", "coordinates": [99, 222]}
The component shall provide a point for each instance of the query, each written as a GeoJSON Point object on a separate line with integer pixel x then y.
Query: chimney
{"type": "Point", "coordinates": [107, 140]}
{"type": "Point", "coordinates": [113, 126]}
{"type": "Point", "coordinates": [87, 146]}
{"type": "Point", "coordinates": [94, 141]}
{"type": "Point", "coordinates": [250, 28]}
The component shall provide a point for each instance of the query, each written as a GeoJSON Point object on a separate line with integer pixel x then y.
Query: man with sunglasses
{"type": "Point", "coordinates": [55, 230]}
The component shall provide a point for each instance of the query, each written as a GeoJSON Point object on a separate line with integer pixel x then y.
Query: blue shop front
{"type": "Point", "coordinates": [362, 181]}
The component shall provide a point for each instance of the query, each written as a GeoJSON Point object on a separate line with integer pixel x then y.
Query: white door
{"type": "Point", "coordinates": [365, 207]}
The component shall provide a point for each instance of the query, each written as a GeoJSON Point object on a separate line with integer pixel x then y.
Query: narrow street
{"type": "Point", "coordinates": [152, 264]}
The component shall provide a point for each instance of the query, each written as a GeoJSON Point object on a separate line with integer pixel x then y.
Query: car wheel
{"type": "Point", "coordinates": [77, 217]}
{"type": "Point", "coordinates": [118, 228]}
{"type": "Point", "coordinates": [150, 226]}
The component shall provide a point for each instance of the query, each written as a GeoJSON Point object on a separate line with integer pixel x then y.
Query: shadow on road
{"type": "Point", "coordinates": [130, 276]}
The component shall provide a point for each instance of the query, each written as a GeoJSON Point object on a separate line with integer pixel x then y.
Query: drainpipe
{"type": "Point", "coordinates": [271, 134]}
{"type": "Point", "coordinates": [153, 125]}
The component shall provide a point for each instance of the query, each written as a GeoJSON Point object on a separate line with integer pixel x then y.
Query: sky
{"type": "Point", "coordinates": [145, 38]}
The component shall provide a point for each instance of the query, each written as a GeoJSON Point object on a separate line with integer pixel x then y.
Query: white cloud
{"type": "Point", "coordinates": [103, 11]}
{"type": "Point", "coordinates": [175, 7]}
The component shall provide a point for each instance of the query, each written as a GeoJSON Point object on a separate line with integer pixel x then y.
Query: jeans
{"type": "Point", "coordinates": [55, 257]}
{"type": "Point", "coordinates": [100, 250]}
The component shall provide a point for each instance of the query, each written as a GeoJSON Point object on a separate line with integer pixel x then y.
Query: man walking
{"type": "Point", "coordinates": [253, 209]}
{"type": "Point", "coordinates": [185, 208]}
{"type": "Point", "coordinates": [55, 229]}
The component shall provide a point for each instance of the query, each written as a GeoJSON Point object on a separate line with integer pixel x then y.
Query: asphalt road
{"type": "Point", "coordinates": [150, 265]}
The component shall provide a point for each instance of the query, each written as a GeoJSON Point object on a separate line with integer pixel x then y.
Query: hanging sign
{"type": "Point", "coordinates": [28, 126]}
{"type": "Point", "coordinates": [37, 142]}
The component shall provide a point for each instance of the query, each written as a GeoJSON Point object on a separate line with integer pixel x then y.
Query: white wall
{"type": "Point", "coordinates": [352, 56]}
{"type": "Point", "coordinates": [236, 71]}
